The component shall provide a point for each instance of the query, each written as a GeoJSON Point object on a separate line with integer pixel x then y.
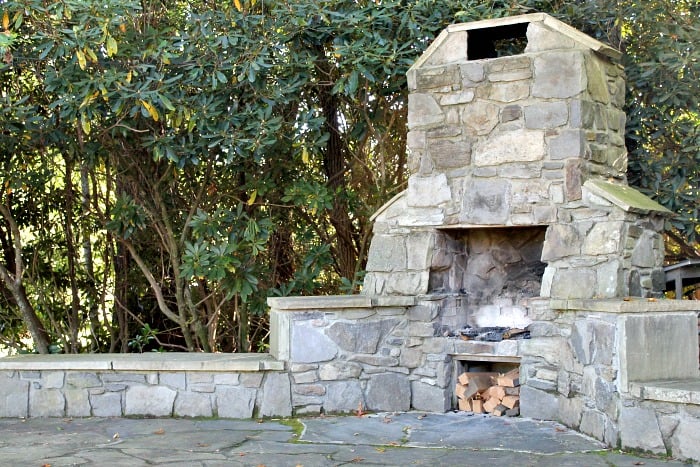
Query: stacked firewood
{"type": "Point", "coordinates": [485, 392]}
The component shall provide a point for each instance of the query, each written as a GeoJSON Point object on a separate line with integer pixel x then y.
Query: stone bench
{"type": "Point", "coordinates": [149, 384]}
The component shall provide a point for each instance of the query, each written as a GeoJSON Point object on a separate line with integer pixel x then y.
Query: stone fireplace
{"type": "Point", "coordinates": [517, 213]}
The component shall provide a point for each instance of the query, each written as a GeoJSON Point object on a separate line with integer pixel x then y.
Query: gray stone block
{"type": "Point", "coordinates": [14, 397]}
{"type": "Point", "coordinates": [423, 110]}
{"type": "Point", "coordinates": [149, 400]}
{"type": "Point", "coordinates": [108, 404]}
{"type": "Point", "coordinates": [360, 337]}
{"type": "Point", "coordinates": [388, 392]}
{"type": "Point", "coordinates": [82, 380]}
{"type": "Point", "coordinates": [429, 397]}
{"type": "Point", "coordinates": [428, 191]}
{"type": "Point", "coordinates": [480, 117]}
{"type": "Point", "coordinates": [235, 402]}
{"type": "Point", "coordinates": [173, 380]}
{"type": "Point", "coordinates": [339, 369]}
{"type": "Point", "coordinates": [573, 283]}
{"type": "Point", "coordinates": [46, 403]}
{"type": "Point", "coordinates": [684, 442]}
{"type": "Point", "coordinates": [538, 404]}
{"type": "Point", "coordinates": [568, 144]}
{"type": "Point", "coordinates": [344, 397]}
{"type": "Point", "coordinates": [509, 91]}
{"type": "Point", "coordinates": [277, 396]}
{"type": "Point", "coordinates": [472, 72]}
{"type": "Point", "coordinates": [77, 403]}
{"type": "Point", "coordinates": [546, 115]}
{"type": "Point", "coordinates": [486, 202]}
{"type": "Point", "coordinates": [593, 423]}
{"type": "Point", "coordinates": [510, 146]}
{"type": "Point", "coordinates": [639, 429]}
{"type": "Point", "coordinates": [541, 38]}
{"type": "Point", "coordinates": [310, 344]}
{"type": "Point", "coordinates": [387, 253]}
{"type": "Point", "coordinates": [559, 75]}
{"type": "Point", "coordinates": [192, 404]}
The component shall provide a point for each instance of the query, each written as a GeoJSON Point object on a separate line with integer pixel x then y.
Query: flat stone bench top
{"type": "Point", "coordinates": [153, 361]}
{"type": "Point", "coordinates": [680, 391]}
{"type": "Point", "coordinates": [326, 302]}
{"type": "Point", "coordinates": [630, 305]}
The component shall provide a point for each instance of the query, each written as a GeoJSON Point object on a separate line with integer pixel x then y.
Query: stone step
{"type": "Point", "coordinates": [678, 391]}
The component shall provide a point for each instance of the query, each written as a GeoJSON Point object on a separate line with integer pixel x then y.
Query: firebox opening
{"type": "Point", "coordinates": [497, 269]}
{"type": "Point", "coordinates": [501, 41]}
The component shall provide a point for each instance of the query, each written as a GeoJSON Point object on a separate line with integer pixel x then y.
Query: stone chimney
{"type": "Point", "coordinates": [517, 155]}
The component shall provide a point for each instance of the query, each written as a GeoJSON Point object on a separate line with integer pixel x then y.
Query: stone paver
{"type": "Point", "coordinates": [407, 438]}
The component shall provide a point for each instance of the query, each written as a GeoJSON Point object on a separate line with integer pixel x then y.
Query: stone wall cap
{"type": "Point", "coordinates": [320, 302]}
{"type": "Point", "coordinates": [153, 361]}
{"type": "Point", "coordinates": [625, 197]}
{"type": "Point", "coordinates": [626, 305]}
{"type": "Point", "coordinates": [551, 22]}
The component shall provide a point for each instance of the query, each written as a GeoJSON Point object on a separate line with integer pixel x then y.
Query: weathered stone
{"type": "Point", "coordinates": [684, 443]}
{"type": "Point", "coordinates": [423, 110]}
{"type": "Point", "coordinates": [538, 404]}
{"type": "Point", "coordinates": [310, 344]}
{"type": "Point", "coordinates": [573, 283]}
{"type": "Point", "coordinates": [568, 144]}
{"type": "Point", "coordinates": [82, 380]}
{"type": "Point", "coordinates": [202, 387]}
{"type": "Point", "coordinates": [639, 429]}
{"type": "Point", "coordinates": [188, 404]}
{"type": "Point", "coordinates": [610, 280]}
{"type": "Point", "coordinates": [573, 180]}
{"type": "Point", "coordinates": [277, 396]}
{"type": "Point", "coordinates": [480, 117]}
{"type": "Point", "coordinates": [436, 78]}
{"type": "Point", "coordinates": [409, 283]}
{"type": "Point", "coordinates": [149, 400]}
{"type": "Point", "coordinates": [509, 91]}
{"type": "Point", "coordinates": [419, 251]}
{"type": "Point", "coordinates": [363, 337]}
{"type": "Point", "coordinates": [429, 398]}
{"type": "Point", "coordinates": [593, 341]}
{"type": "Point", "coordinates": [46, 403]}
{"type": "Point", "coordinates": [428, 191]}
{"type": "Point", "coordinates": [559, 75]}
{"type": "Point", "coordinates": [593, 423]}
{"type": "Point", "coordinates": [511, 113]}
{"type": "Point", "coordinates": [78, 403]}
{"type": "Point", "coordinates": [603, 239]}
{"type": "Point", "coordinates": [226, 379]}
{"type": "Point", "coordinates": [410, 358]}
{"type": "Point", "coordinates": [510, 75]}
{"type": "Point", "coordinates": [305, 377]}
{"type": "Point", "coordinates": [343, 397]}
{"type": "Point", "coordinates": [52, 379]}
{"type": "Point", "coordinates": [570, 411]}
{"type": "Point", "coordinates": [388, 392]}
{"type": "Point", "coordinates": [251, 380]}
{"type": "Point", "coordinates": [173, 380]}
{"type": "Point", "coordinates": [472, 72]}
{"type": "Point", "coordinates": [235, 402]}
{"type": "Point", "coordinates": [540, 38]}
{"type": "Point", "coordinates": [310, 389]}
{"type": "Point", "coordinates": [643, 254]}
{"type": "Point", "coordinates": [376, 360]}
{"type": "Point", "coordinates": [458, 98]}
{"type": "Point", "coordinates": [510, 146]}
{"type": "Point", "coordinates": [546, 115]}
{"type": "Point", "coordinates": [387, 253]}
{"type": "Point", "coordinates": [561, 241]}
{"type": "Point", "coordinates": [446, 154]}
{"type": "Point", "coordinates": [597, 79]}
{"type": "Point", "coordinates": [339, 369]}
{"type": "Point", "coordinates": [123, 378]}
{"type": "Point", "coordinates": [485, 202]}
{"type": "Point", "coordinates": [14, 397]}
{"type": "Point", "coordinates": [107, 405]}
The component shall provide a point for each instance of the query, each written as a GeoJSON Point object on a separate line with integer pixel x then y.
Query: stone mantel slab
{"type": "Point", "coordinates": [143, 362]}
{"type": "Point", "coordinates": [631, 305]}
{"type": "Point", "coordinates": [329, 302]}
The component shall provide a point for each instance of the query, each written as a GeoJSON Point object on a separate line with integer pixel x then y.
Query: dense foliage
{"type": "Point", "coordinates": [167, 165]}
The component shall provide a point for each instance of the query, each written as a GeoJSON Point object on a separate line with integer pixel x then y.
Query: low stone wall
{"type": "Point", "coordinates": [378, 353]}
{"type": "Point", "coordinates": [161, 385]}
{"type": "Point", "coordinates": [597, 366]}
